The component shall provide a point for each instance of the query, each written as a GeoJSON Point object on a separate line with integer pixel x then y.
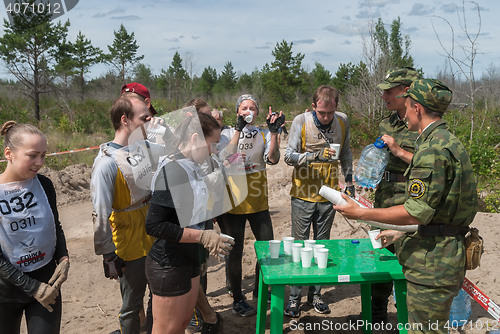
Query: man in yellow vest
{"type": "Point", "coordinates": [316, 164]}
{"type": "Point", "coordinates": [121, 204]}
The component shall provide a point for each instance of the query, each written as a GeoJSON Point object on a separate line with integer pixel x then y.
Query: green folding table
{"type": "Point", "coordinates": [348, 263]}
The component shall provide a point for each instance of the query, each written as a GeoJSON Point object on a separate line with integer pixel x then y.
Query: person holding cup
{"type": "Point", "coordinates": [391, 189]}
{"type": "Point", "coordinates": [441, 198]}
{"type": "Point", "coordinates": [180, 203]}
{"type": "Point", "coordinates": [258, 147]}
{"type": "Point", "coordinates": [316, 164]}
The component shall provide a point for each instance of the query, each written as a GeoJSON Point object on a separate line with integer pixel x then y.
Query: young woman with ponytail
{"type": "Point", "coordinates": [34, 260]}
{"type": "Point", "coordinates": [180, 196]}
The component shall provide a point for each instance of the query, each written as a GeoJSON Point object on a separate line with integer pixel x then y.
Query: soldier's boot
{"type": "Point", "coordinates": [379, 312]}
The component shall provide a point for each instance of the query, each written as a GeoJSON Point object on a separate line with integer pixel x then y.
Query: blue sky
{"type": "Point", "coordinates": [245, 33]}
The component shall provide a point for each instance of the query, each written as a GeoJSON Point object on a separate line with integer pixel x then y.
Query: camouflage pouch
{"type": "Point", "coordinates": [473, 249]}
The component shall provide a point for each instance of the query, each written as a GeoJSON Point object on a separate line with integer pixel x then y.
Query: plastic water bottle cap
{"type": "Point", "coordinates": [379, 143]}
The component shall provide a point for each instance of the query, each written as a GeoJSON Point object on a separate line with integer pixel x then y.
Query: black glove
{"type": "Point", "coordinates": [349, 191]}
{"type": "Point", "coordinates": [274, 127]}
{"type": "Point", "coordinates": [322, 155]}
{"type": "Point", "coordinates": [240, 123]}
{"type": "Point", "coordinates": [113, 266]}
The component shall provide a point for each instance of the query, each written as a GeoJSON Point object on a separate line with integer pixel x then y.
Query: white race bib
{"type": "Point", "coordinates": [198, 188]}
{"type": "Point", "coordinates": [251, 143]}
{"type": "Point", "coordinates": [135, 164]}
{"type": "Point", "coordinates": [27, 228]}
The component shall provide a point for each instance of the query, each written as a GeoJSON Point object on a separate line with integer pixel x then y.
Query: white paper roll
{"type": "Point", "coordinates": [332, 195]}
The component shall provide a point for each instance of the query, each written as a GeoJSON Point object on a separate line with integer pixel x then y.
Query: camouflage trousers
{"type": "Point", "coordinates": [429, 307]}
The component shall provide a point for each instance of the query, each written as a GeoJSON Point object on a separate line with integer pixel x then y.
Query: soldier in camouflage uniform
{"type": "Point", "coordinates": [441, 197]}
{"type": "Point", "coordinates": [391, 189]}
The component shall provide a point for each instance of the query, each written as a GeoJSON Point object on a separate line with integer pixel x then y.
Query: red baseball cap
{"type": "Point", "coordinates": [141, 90]}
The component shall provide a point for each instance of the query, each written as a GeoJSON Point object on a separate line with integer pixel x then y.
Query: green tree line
{"type": "Point", "coordinates": [52, 86]}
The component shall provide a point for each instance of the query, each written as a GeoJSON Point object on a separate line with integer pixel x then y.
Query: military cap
{"type": "Point", "coordinates": [430, 93]}
{"type": "Point", "coordinates": [399, 76]}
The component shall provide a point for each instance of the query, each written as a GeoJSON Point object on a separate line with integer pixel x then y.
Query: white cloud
{"type": "Point", "coordinates": [304, 41]}
{"type": "Point", "coordinates": [377, 3]}
{"type": "Point", "coordinates": [322, 54]}
{"type": "Point", "coordinates": [126, 18]}
{"type": "Point", "coordinates": [116, 11]}
{"type": "Point", "coordinates": [173, 40]}
{"type": "Point", "coordinates": [449, 8]}
{"type": "Point", "coordinates": [346, 29]}
{"type": "Point", "coordinates": [419, 9]}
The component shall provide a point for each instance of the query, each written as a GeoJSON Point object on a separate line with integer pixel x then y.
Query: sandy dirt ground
{"type": "Point", "coordinates": [91, 302]}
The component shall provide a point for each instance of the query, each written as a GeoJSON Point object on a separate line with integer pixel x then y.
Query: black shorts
{"type": "Point", "coordinates": [170, 281]}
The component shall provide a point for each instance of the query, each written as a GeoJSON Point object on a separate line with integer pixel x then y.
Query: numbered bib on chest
{"type": "Point", "coordinates": [135, 165]}
{"type": "Point", "coordinates": [316, 139]}
{"type": "Point", "coordinates": [27, 229]}
{"type": "Point", "coordinates": [188, 213]}
{"type": "Point", "coordinates": [251, 143]}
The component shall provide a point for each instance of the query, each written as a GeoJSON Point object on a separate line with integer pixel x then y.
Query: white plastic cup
{"type": "Point", "coordinates": [306, 255]}
{"type": "Point", "coordinates": [274, 248]}
{"type": "Point", "coordinates": [225, 236]}
{"type": "Point", "coordinates": [332, 195]}
{"type": "Point", "coordinates": [335, 147]}
{"type": "Point", "coordinates": [375, 243]}
{"type": "Point", "coordinates": [287, 245]}
{"type": "Point", "coordinates": [158, 130]}
{"type": "Point", "coordinates": [249, 118]}
{"type": "Point", "coordinates": [315, 251]}
{"type": "Point", "coordinates": [322, 257]}
{"type": "Point", "coordinates": [296, 247]}
{"type": "Point", "coordinates": [309, 243]}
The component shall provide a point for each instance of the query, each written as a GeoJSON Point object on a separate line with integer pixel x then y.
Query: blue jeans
{"type": "Point", "coordinates": [305, 213]}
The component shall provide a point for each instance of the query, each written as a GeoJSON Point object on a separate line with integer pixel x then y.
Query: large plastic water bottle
{"type": "Point", "coordinates": [371, 165]}
{"type": "Point", "coordinates": [460, 309]}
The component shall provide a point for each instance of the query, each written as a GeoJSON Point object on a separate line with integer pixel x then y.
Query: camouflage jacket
{"type": "Point", "coordinates": [441, 189]}
{"type": "Point", "coordinates": [393, 193]}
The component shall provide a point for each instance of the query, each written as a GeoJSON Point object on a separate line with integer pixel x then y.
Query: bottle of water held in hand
{"type": "Point", "coordinates": [371, 165]}
{"type": "Point", "coordinates": [460, 309]}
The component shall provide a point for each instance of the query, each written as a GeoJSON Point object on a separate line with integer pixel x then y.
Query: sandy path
{"type": "Point", "coordinates": [91, 302]}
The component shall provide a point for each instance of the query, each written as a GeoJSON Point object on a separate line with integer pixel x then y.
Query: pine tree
{"type": "Point", "coordinates": [228, 77]}
{"type": "Point", "coordinates": [85, 55]}
{"type": "Point", "coordinates": [28, 47]}
{"type": "Point", "coordinates": [123, 53]}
